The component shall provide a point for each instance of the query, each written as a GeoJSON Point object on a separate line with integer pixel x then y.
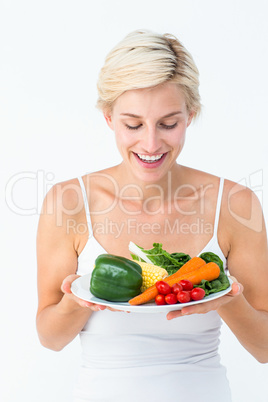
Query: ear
{"type": "Point", "coordinates": [190, 118]}
{"type": "Point", "coordinates": [108, 117]}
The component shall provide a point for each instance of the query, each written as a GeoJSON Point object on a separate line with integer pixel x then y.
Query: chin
{"type": "Point", "coordinates": [150, 177]}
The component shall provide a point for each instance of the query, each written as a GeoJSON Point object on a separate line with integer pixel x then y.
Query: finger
{"type": "Point", "coordinates": [174, 314]}
{"type": "Point", "coordinates": [202, 308]}
{"type": "Point", "coordinates": [97, 307]}
{"type": "Point", "coordinates": [92, 306]}
{"type": "Point", "coordinates": [237, 288]}
{"type": "Point", "coordinates": [67, 282]}
{"type": "Point", "coordinates": [66, 287]}
{"type": "Point", "coordinates": [113, 309]}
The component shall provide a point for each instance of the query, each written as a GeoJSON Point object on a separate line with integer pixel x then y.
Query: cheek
{"type": "Point", "coordinates": [123, 139]}
{"type": "Point", "coordinates": [178, 138]}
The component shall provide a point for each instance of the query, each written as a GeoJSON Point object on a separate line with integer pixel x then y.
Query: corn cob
{"type": "Point", "coordinates": [151, 274]}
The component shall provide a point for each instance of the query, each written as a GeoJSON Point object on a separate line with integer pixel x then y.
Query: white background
{"type": "Point", "coordinates": [51, 53]}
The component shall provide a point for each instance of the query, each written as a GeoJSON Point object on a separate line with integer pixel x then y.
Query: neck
{"type": "Point", "coordinates": [165, 187]}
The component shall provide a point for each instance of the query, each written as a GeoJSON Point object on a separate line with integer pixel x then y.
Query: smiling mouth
{"type": "Point", "coordinates": [150, 159]}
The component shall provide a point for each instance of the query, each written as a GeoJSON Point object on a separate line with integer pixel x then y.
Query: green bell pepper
{"type": "Point", "coordinates": [115, 278]}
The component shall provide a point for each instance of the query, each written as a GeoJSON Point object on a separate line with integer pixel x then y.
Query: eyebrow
{"type": "Point", "coordinates": [138, 117]}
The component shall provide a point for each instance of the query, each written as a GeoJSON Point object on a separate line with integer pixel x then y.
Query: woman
{"type": "Point", "coordinates": [148, 92]}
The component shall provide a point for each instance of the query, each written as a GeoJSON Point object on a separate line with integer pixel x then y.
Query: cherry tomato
{"type": "Point", "coordinates": [171, 298]}
{"type": "Point", "coordinates": [183, 296]}
{"type": "Point", "coordinates": [197, 294]}
{"type": "Point", "coordinates": [177, 287]}
{"type": "Point", "coordinates": [186, 285]}
{"type": "Point", "coordinates": [163, 287]}
{"type": "Point", "coordinates": [160, 300]}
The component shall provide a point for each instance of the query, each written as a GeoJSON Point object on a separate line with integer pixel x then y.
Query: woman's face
{"type": "Point", "coordinates": [150, 126]}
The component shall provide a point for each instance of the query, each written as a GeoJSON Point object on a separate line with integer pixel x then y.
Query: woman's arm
{"type": "Point", "coordinates": [60, 315]}
{"type": "Point", "coordinates": [245, 309]}
{"type": "Point", "coordinates": [247, 315]}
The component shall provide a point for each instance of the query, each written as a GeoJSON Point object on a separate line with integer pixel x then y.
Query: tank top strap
{"type": "Point", "coordinates": [84, 193]}
{"type": "Point", "coordinates": [218, 206]}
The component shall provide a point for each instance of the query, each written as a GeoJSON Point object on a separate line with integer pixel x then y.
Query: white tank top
{"type": "Point", "coordinates": [130, 357]}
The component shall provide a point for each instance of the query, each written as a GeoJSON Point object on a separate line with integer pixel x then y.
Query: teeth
{"type": "Point", "coordinates": [150, 158]}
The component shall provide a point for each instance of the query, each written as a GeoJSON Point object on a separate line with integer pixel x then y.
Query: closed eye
{"type": "Point", "coordinates": [165, 126]}
{"type": "Point", "coordinates": [133, 127]}
{"type": "Point", "coordinates": [168, 127]}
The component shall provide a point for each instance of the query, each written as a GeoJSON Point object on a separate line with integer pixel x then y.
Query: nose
{"type": "Point", "coordinates": [151, 140]}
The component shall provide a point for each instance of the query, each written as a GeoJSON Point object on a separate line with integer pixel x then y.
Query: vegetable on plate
{"type": "Point", "coordinates": [115, 278]}
{"type": "Point", "coordinates": [151, 274]}
{"type": "Point", "coordinates": [158, 256]}
{"type": "Point", "coordinates": [174, 262]}
{"type": "Point", "coordinates": [138, 281]}
{"type": "Point", "coordinates": [150, 293]}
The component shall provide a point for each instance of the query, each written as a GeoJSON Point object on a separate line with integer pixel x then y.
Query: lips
{"type": "Point", "coordinates": [150, 161]}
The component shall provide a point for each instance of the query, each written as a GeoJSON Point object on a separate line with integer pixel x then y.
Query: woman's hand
{"type": "Point", "coordinates": [202, 308]}
{"type": "Point", "coordinates": [66, 289]}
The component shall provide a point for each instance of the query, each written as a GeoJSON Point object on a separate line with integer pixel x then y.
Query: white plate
{"type": "Point", "coordinates": [80, 288]}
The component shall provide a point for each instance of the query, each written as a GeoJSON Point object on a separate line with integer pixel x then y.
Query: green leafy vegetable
{"type": "Point", "coordinates": [171, 262]}
{"type": "Point", "coordinates": [219, 284]}
{"type": "Point", "coordinates": [174, 261]}
{"type": "Point", "coordinates": [212, 257]}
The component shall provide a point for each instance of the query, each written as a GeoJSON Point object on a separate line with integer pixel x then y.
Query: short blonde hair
{"type": "Point", "coordinates": [145, 59]}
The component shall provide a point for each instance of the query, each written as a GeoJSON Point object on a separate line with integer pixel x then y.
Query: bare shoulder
{"type": "Point", "coordinates": [63, 196]}
{"type": "Point", "coordinates": [241, 208]}
{"type": "Point", "coordinates": [103, 189]}
{"type": "Point", "coordinates": [62, 212]}
{"type": "Point", "coordinates": [203, 184]}
{"type": "Point", "coordinates": [199, 178]}
{"type": "Point", "coordinates": [103, 179]}
{"type": "Point", "coordinates": [65, 201]}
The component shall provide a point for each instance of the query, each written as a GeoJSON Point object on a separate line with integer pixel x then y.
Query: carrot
{"type": "Point", "coordinates": [150, 293]}
{"type": "Point", "coordinates": [209, 272]}
{"type": "Point", "coordinates": [191, 265]}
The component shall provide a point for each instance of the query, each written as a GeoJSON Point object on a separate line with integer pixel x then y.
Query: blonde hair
{"type": "Point", "coordinates": [145, 59]}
